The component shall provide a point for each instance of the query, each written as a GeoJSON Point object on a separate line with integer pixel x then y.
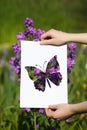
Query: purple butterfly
{"type": "Point", "coordinates": [39, 77]}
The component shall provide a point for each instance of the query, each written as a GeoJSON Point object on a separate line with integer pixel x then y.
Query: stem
{"type": "Point", "coordinates": [35, 128]}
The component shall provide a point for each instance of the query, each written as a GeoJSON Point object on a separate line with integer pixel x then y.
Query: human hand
{"type": "Point", "coordinates": [54, 37]}
{"type": "Point", "coordinates": [60, 111]}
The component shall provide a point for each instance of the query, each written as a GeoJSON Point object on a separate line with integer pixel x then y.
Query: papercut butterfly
{"type": "Point", "coordinates": [39, 77]}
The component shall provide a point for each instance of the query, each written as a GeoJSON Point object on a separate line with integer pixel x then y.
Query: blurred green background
{"type": "Point", "coordinates": [66, 15]}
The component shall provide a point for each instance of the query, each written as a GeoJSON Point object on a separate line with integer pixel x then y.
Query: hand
{"type": "Point", "coordinates": [54, 37]}
{"type": "Point", "coordinates": [60, 111]}
{"type": "Point", "coordinates": [64, 111]}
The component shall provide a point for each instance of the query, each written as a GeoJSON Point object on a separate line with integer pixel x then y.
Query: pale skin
{"type": "Point", "coordinates": [55, 37]}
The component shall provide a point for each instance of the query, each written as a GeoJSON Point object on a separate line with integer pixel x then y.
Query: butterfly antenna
{"type": "Point", "coordinates": [48, 83]}
{"type": "Point", "coordinates": [44, 65]}
{"type": "Point", "coordinates": [38, 66]}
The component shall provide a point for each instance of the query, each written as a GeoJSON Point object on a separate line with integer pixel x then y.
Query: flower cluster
{"type": "Point", "coordinates": [71, 56]}
{"type": "Point", "coordinates": [15, 62]}
{"type": "Point", "coordinates": [29, 33]}
{"type": "Point", "coordinates": [34, 34]}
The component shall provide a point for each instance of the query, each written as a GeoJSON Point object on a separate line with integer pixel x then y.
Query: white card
{"type": "Point", "coordinates": [32, 54]}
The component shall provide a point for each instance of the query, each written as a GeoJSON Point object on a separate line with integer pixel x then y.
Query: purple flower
{"type": "Point", "coordinates": [53, 128]}
{"type": "Point", "coordinates": [17, 70]}
{"type": "Point", "coordinates": [38, 126]}
{"type": "Point", "coordinates": [39, 33]}
{"type": "Point", "coordinates": [70, 64]}
{"type": "Point", "coordinates": [18, 99]}
{"type": "Point", "coordinates": [19, 62]}
{"type": "Point", "coordinates": [72, 46]}
{"type": "Point", "coordinates": [27, 33]}
{"type": "Point", "coordinates": [12, 61]}
{"type": "Point", "coordinates": [27, 109]}
{"type": "Point", "coordinates": [72, 55]}
{"type": "Point", "coordinates": [41, 110]}
{"type": "Point", "coordinates": [28, 22]}
{"type": "Point", "coordinates": [5, 52]}
{"type": "Point", "coordinates": [32, 31]}
{"type": "Point", "coordinates": [16, 63]}
{"type": "Point", "coordinates": [20, 36]}
{"type": "Point", "coordinates": [19, 79]}
{"type": "Point", "coordinates": [16, 48]}
{"type": "Point", "coordinates": [68, 120]}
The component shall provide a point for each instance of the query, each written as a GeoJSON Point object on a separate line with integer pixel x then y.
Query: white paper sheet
{"type": "Point", "coordinates": [32, 53]}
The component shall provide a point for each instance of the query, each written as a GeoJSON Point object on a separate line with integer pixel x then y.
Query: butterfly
{"type": "Point", "coordinates": [40, 77]}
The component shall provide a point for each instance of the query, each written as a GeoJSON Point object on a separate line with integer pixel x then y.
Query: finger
{"type": "Point", "coordinates": [53, 106]}
{"type": "Point", "coordinates": [48, 42]}
{"type": "Point", "coordinates": [45, 42]}
{"type": "Point", "coordinates": [49, 112]}
{"type": "Point", "coordinates": [45, 35]}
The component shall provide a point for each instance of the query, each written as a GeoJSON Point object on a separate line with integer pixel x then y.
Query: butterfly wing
{"type": "Point", "coordinates": [55, 78]}
{"type": "Point", "coordinates": [52, 71]}
{"type": "Point", "coordinates": [40, 83]}
{"type": "Point", "coordinates": [37, 76]}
